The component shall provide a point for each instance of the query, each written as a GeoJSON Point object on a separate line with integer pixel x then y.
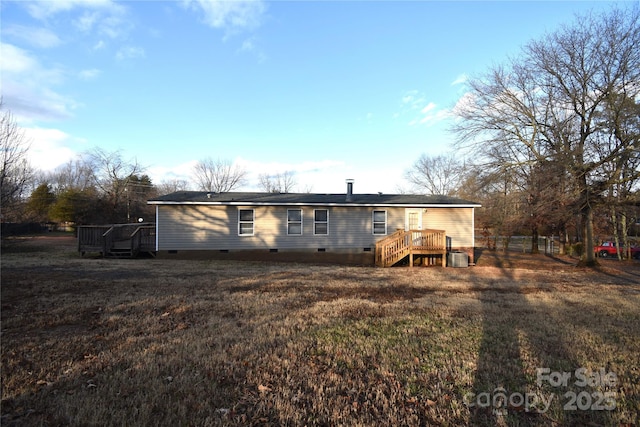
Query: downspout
{"type": "Point", "coordinates": [473, 235]}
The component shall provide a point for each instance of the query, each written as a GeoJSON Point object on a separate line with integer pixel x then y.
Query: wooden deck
{"type": "Point", "coordinates": [117, 240]}
{"type": "Point", "coordinates": [402, 244]}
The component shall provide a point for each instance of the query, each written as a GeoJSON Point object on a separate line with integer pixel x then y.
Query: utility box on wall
{"type": "Point", "coordinates": [457, 259]}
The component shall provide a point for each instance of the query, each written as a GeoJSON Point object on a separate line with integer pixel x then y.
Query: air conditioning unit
{"type": "Point", "coordinates": [458, 259]}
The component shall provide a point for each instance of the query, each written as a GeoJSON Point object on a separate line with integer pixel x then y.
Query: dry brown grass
{"type": "Point", "coordinates": [152, 342]}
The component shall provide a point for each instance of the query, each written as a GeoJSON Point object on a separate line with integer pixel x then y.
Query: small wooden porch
{"type": "Point", "coordinates": [427, 244]}
{"type": "Point", "coordinates": [118, 240]}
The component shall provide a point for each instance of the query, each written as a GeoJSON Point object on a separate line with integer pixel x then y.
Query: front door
{"type": "Point", "coordinates": [413, 219]}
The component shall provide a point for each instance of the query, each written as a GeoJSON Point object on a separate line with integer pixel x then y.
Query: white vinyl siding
{"type": "Point", "coordinates": [379, 222]}
{"type": "Point", "coordinates": [321, 222]}
{"type": "Point", "coordinates": [294, 222]}
{"type": "Point", "coordinates": [457, 222]}
{"type": "Point", "coordinates": [201, 227]}
{"type": "Point", "coordinates": [245, 222]}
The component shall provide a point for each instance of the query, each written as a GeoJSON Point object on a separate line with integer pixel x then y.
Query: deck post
{"type": "Point", "coordinates": [410, 248]}
{"type": "Point", "coordinates": [444, 253]}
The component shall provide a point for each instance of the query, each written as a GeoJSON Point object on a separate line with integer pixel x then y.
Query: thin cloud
{"type": "Point", "coordinates": [89, 74]}
{"type": "Point", "coordinates": [16, 60]}
{"type": "Point", "coordinates": [31, 104]}
{"type": "Point", "coordinates": [307, 174]}
{"type": "Point", "coordinates": [251, 46]}
{"type": "Point", "coordinates": [302, 167]}
{"type": "Point", "coordinates": [248, 45]}
{"type": "Point", "coordinates": [432, 117]}
{"type": "Point", "coordinates": [27, 87]}
{"type": "Point", "coordinates": [105, 17]}
{"type": "Point", "coordinates": [419, 111]}
{"type": "Point", "coordinates": [44, 10]}
{"type": "Point", "coordinates": [33, 36]}
{"type": "Point", "coordinates": [231, 16]}
{"type": "Point", "coordinates": [111, 23]}
{"type": "Point", "coordinates": [87, 21]}
{"type": "Point", "coordinates": [461, 79]}
{"type": "Point", "coordinates": [130, 52]}
{"type": "Point", "coordinates": [49, 148]}
{"type": "Point", "coordinates": [412, 99]}
{"type": "Point", "coordinates": [429, 107]}
{"type": "Point", "coordinates": [99, 46]}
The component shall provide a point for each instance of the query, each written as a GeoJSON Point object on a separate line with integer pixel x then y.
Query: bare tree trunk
{"type": "Point", "coordinates": [616, 238]}
{"type": "Point", "coordinates": [534, 241]}
{"type": "Point", "coordinates": [625, 235]}
{"type": "Point", "coordinates": [588, 258]}
{"type": "Point", "coordinates": [564, 240]}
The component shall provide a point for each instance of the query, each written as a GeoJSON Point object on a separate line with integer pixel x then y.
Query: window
{"type": "Point", "coordinates": [321, 221]}
{"type": "Point", "coordinates": [379, 222]}
{"type": "Point", "coordinates": [294, 222]}
{"type": "Point", "coordinates": [245, 222]}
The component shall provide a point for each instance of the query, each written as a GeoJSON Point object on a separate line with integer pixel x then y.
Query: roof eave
{"type": "Point", "coordinates": [346, 204]}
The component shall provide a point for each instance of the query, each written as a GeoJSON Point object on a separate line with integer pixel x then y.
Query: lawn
{"type": "Point", "coordinates": [516, 340]}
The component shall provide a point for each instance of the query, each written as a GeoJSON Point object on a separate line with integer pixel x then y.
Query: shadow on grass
{"type": "Point", "coordinates": [522, 340]}
{"type": "Point", "coordinates": [517, 259]}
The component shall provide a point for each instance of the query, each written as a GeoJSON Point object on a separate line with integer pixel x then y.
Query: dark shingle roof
{"type": "Point", "coordinates": [241, 198]}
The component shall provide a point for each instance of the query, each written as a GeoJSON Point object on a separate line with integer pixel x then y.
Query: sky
{"type": "Point", "coordinates": [326, 90]}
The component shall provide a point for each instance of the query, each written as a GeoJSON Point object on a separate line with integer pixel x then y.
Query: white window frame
{"type": "Point", "coordinates": [320, 222]}
{"type": "Point", "coordinates": [252, 222]}
{"type": "Point", "coordinates": [301, 222]}
{"type": "Point", "coordinates": [374, 222]}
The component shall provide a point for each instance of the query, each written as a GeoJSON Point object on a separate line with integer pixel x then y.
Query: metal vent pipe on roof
{"type": "Point", "coordinates": [349, 190]}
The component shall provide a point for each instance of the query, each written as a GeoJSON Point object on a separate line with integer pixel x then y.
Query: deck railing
{"type": "Point", "coordinates": [143, 239]}
{"type": "Point", "coordinates": [90, 237]}
{"type": "Point", "coordinates": [401, 244]}
{"type": "Point", "coordinates": [121, 239]}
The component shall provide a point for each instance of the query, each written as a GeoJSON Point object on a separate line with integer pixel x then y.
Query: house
{"type": "Point", "coordinates": [344, 228]}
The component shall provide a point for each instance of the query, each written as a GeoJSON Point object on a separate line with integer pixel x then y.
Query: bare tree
{"type": "Point", "coordinates": [623, 125]}
{"type": "Point", "coordinates": [16, 171]}
{"type": "Point", "coordinates": [171, 186]}
{"type": "Point", "coordinates": [439, 175]}
{"type": "Point", "coordinates": [75, 174]}
{"type": "Point", "coordinates": [279, 183]}
{"type": "Point", "coordinates": [545, 106]}
{"type": "Point", "coordinates": [218, 176]}
{"type": "Point", "coordinates": [112, 176]}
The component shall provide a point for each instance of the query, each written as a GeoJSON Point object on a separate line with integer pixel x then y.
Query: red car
{"type": "Point", "coordinates": [609, 249]}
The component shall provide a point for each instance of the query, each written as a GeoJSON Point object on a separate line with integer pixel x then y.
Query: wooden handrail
{"type": "Point", "coordinates": [107, 241]}
{"type": "Point", "coordinates": [140, 238]}
{"type": "Point", "coordinates": [393, 236]}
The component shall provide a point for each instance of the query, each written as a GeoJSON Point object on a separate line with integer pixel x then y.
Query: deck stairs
{"type": "Point", "coordinates": [407, 244]}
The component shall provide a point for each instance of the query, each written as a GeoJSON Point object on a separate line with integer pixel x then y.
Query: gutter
{"type": "Point", "coordinates": [389, 205]}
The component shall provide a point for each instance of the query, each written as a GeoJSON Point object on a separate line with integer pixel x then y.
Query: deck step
{"type": "Point", "coordinates": [120, 253]}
